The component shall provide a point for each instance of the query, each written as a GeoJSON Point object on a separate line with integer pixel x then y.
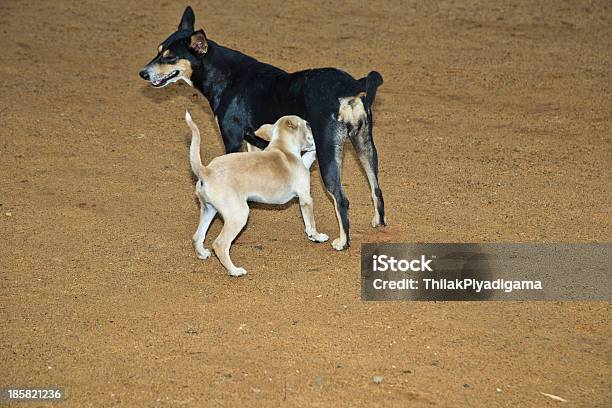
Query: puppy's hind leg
{"type": "Point", "coordinates": [207, 213]}
{"type": "Point", "coordinates": [234, 219]}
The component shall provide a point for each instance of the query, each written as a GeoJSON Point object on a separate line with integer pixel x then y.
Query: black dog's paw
{"type": "Point", "coordinates": [340, 245]}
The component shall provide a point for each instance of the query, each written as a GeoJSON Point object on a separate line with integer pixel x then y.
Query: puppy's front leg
{"type": "Point", "coordinates": [308, 158]}
{"type": "Point", "coordinates": [207, 213]}
{"type": "Point", "coordinates": [309, 221]}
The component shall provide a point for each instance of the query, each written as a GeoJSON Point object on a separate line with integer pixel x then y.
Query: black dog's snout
{"type": "Point", "coordinates": [144, 74]}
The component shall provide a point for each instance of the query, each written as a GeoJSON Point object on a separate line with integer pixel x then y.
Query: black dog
{"type": "Point", "coordinates": [244, 94]}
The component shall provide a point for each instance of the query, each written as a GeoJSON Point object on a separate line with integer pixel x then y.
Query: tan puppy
{"type": "Point", "coordinates": [272, 176]}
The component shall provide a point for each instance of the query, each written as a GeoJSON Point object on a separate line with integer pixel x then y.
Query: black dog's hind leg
{"type": "Point", "coordinates": [330, 141]}
{"type": "Point", "coordinates": [233, 135]}
{"type": "Point", "coordinates": [362, 141]}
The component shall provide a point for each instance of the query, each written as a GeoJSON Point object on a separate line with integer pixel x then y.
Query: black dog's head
{"type": "Point", "coordinates": [178, 55]}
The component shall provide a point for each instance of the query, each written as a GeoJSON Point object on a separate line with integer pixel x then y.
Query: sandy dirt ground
{"type": "Point", "coordinates": [493, 125]}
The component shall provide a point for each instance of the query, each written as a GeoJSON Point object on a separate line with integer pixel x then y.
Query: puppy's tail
{"type": "Point", "coordinates": [372, 81]}
{"type": "Point", "coordinates": [194, 149]}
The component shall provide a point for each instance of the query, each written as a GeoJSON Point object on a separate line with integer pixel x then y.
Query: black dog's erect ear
{"type": "Point", "coordinates": [188, 20]}
{"type": "Point", "coordinates": [198, 42]}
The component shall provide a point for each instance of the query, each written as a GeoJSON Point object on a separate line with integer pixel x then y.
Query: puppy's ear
{"type": "Point", "coordinates": [198, 42]}
{"type": "Point", "coordinates": [265, 131]}
{"type": "Point", "coordinates": [291, 124]}
{"type": "Point", "coordinates": [188, 20]}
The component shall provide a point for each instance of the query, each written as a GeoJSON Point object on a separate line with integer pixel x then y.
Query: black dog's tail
{"type": "Point", "coordinates": [370, 84]}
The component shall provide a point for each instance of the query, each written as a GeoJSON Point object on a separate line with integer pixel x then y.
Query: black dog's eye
{"type": "Point", "coordinates": [171, 59]}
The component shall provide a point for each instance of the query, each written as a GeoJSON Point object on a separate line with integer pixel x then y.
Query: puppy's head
{"type": "Point", "coordinates": [178, 55]}
{"type": "Point", "coordinates": [296, 130]}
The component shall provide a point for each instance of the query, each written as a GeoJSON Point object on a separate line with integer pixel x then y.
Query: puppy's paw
{"type": "Point", "coordinates": [339, 245]}
{"type": "Point", "coordinates": [238, 272]}
{"type": "Point", "coordinates": [318, 237]}
{"type": "Point", "coordinates": [202, 253]}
